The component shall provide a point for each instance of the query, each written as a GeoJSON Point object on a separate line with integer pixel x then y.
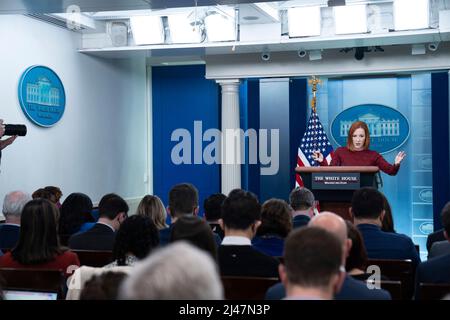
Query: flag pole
{"type": "Point", "coordinates": [314, 81]}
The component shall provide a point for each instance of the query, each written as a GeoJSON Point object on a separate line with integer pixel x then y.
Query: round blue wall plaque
{"type": "Point", "coordinates": [41, 95]}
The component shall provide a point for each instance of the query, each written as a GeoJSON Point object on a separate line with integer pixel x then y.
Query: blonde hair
{"type": "Point", "coordinates": [152, 207]}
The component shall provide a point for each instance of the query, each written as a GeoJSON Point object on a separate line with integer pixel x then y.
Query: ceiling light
{"type": "Point", "coordinates": [350, 19]}
{"type": "Point", "coordinates": [304, 21]}
{"type": "Point", "coordinates": [147, 30]}
{"type": "Point", "coordinates": [411, 14]}
{"type": "Point", "coordinates": [418, 49]}
{"type": "Point", "coordinates": [181, 29]}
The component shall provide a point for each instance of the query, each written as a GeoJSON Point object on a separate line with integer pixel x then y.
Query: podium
{"type": "Point", "coordinates": [333, 187]}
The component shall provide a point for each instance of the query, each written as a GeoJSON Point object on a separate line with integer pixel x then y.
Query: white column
{"type": "Point", "coordinates": [231, 146]}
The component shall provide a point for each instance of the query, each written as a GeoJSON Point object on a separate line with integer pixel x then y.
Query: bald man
{"type": "Point", "coordinates": [351, 289]}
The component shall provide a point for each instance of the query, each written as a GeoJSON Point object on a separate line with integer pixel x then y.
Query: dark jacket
{"type": "Point", "coordinates": [99, 237]}
{"type": "Point", "coordinates": [235, 260]}
{"type": "Point", "coordinates": [351, 290]}
{"type": "Point", "coordinates": [387, 245]}
{"type": "Point", "coordinates": [435, 270]}
{"type": "Point", "coordinates": [9, 235]}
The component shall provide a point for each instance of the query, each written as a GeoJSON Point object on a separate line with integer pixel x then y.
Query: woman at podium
{"type": "Point", "coordinates": [357, 152]}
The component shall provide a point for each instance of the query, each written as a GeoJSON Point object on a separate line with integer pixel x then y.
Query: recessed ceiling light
{"type": "Point", "coordinates": [250, 18]}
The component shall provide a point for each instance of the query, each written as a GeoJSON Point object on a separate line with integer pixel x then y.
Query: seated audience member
{"type": "Point", "coordinates": [356, 262]}
{"type": "Point", "coordinates": [195, 231]}
{"type": "Point", "coordinates": [103, 287]}
{"type": "Point", "coordinates": [241, 217]}
{"type": "Point", "coordinates": [152, 207]}
{"type": "Point", "coordinates": [56, 195]}
{"type": "Point", "coordinates": [38, 245]}
{"type": "Point", "coordinates": [43, 194]}
{"type": "Point", "coordinates": [12, 210]}
{"type": "Point", "coordinates": [112, 213]}
{"type": "Point", "coordinates": [368, 211]}
{"type": "Point", "coordinates": [435, 237]}
{"type": "Point", "coordinates": [312, 265]}
{"type": "Point", "coordinates": [178, 271]}
{"type": "Point", "coordinates": [302, 202]}
{"type": "Point", "coordinates": [351, 289]}
{"type": "Point", "coordinates": [436, 270]}
{"type": "Point", "coordinates": [387, 225]}
{"type": "Point", "coordinates": [76, 214]}
{"type": "Point", "coordinates": [136, 238]}
{"type": "Point", "coordinates": [183, 200]}
{"type": "Point", "coordinates": [440, 248]}
{"type": "Point", "coordinates": [275, 225]}
{"type": "Point", "coordinates": [212, 206]}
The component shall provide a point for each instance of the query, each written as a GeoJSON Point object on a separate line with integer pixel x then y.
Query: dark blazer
{"type": "Point", "coordinates": [99, 237]}
{"type": "Point", "coordinates": [434, 237]}
{"type": "Point", "coordinates": [164, 236]}
{"type": "Point", "coordinates": [271, 245]}
{"type": "Point", "coordinates": [435, 270]}
{"type": "Point", "coordinates": [235, 260]}
{"type": "Point", "coordinates": [387, 245]}
{"type": "Point", "coordinates": [9, 235]}
{"type": "Point", "coordinates": [439, 248]}
{"type": "Point", "coordinates": [300, 221]}
{"type": "Point", "coordinates": [351, 290]}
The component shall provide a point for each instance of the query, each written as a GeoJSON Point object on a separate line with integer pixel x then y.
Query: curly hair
{"type": "Point", "coordinates": [75, 211]}
{"type": "Point", "coordinates": [275, 218]}
{"type": "Point", "coordinates": [137, 235]}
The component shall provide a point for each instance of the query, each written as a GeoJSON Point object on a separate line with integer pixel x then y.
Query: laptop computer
{"type": "Point", "coordinates": [29, 295]}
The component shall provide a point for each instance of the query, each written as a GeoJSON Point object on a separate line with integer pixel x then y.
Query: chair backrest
{"type": "Point", "coordinates": [246, 288]}
{"type": "Point", "coordinates": [433, 291]}
{"type": "Point", "coordinates": [41, 280]}
{"type": "Point", "coordinates": [398, 270]}
{"type": "Point", "coordinates": [393, 287]}
{"type": "Point", "coordinates": [93, 258]}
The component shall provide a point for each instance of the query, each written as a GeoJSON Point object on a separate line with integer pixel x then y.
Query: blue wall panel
{"type": "Point", "coordinates": [440, 146]}
{"type": "Point", "coordinates": [182, 95]}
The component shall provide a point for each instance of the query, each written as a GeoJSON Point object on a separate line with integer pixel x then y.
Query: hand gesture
{"type": "Point", "coordinates": [7, 142]}
{"type": "Point", "coordinates": [400, 156]}
{"type": "Point", "coordinates": [317, 156]}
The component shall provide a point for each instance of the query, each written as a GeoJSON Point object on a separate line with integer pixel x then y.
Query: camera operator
{"type": "Point", "coordinates": [6, 142]}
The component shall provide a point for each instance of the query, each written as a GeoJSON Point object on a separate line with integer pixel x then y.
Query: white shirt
{"type": "Point", "coordinates": [236, 241]}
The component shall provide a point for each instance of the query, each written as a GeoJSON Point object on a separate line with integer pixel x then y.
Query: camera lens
{"type": "Point", "coordinates": [15, 130]}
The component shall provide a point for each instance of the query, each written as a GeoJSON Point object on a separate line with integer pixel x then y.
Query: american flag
{"type": "Point", "coordinates": [314, 138]}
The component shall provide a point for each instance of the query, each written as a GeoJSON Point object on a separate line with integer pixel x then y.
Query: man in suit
{"type": "Point", "coordinates": [302, 202]}
{"type": "Point", "coordinates": [436, 270]}
{"type": "Point", "coordinates": [351, 289]}
{"type": "Point", "coordinates": [12, 210]}
{"type": "Point", "coordinates": [183, 200]}
{"type": "Point", "coordinates": [312, 268]}
{"type": "Point", "coordinates": [440, 247]}
{"type": "Point", "coordinates": [241, 217]}
{"type": "Point", "coordinates": [435, 237]}
{"type": "Point", "coordinates": [112, 213]}
{"type": "Point", "coordinates": [212, 206]}
{"type": "Point", "coordinates": [368, 211]}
